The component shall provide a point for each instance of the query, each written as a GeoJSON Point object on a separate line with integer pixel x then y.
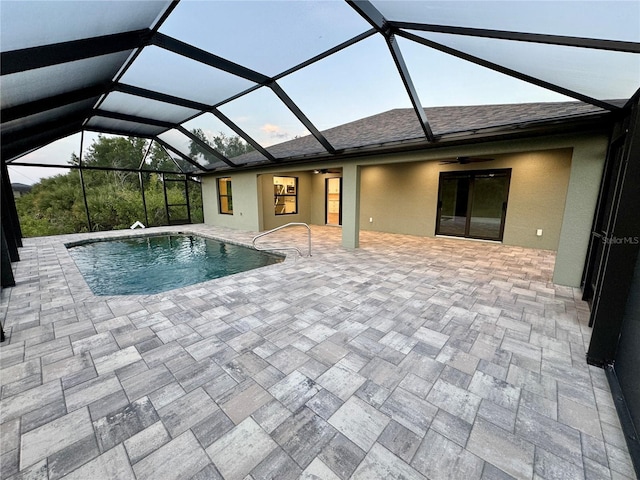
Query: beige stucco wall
{"type": "Point", "coordinates": [403, 198]}
{"type": "Point", "coordinates": [582, 195]}
{"type": "Point", "coordinates": [245, 190]}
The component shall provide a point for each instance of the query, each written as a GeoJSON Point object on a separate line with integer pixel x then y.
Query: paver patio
{"type": "Point", "coordinates": [407, 358]}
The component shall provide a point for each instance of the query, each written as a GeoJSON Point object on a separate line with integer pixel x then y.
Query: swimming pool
{"type": "Point", "coordinates": [154, 264]}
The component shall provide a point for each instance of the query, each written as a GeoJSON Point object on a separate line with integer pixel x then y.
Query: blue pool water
{"type": "Point", "coordinates": [154, 264]}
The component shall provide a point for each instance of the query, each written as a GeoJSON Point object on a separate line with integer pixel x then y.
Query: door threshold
{"type": "Point", "coordinates": [453, 237]}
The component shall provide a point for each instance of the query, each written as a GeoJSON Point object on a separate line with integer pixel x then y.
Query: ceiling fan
{"type": "Point", "coordinates": [465, 160]}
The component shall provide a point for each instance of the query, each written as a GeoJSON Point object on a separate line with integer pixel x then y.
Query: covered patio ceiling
{"type": "Point", "coordinates": [274, 71]}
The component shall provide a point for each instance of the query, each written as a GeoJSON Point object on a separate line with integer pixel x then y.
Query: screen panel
{"type": "Point", "coordinates": [600, 74]}
{"type": "Point", "coordinates": [25, 24]}
{"type": "Point", "coordinates": [167, 72]}
{"type": "Point", "coordinates": [267, 36]}
{"type": "Point", "coordinates": [609, 20]}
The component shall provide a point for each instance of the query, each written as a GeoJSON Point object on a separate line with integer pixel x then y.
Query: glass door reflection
{"type": "Point", "coordinates": [473, 204]}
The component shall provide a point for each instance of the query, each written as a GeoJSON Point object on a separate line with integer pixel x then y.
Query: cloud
{"type": "Point", "coordinates": [274, 131]}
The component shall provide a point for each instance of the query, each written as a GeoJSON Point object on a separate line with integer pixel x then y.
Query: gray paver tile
{"type": "Point", "coordinates": [455, 400]}
{"type": "Point", "coordinates": [505, 450]}
{"type": "Point", "coordinates": [147, 382]}
{"type": "Point", "coordinates": [146, 441]}
{"type": "Point", "coordinates": [10, 462]}
{"type": "Point", "coordinates": [373, 393]}
{"type": "Point", "coordinates": [197, 374]}
{"type": "Point", "coordinates": [276, 465]}
{"type": "Point", "coordinates": [491, 472]}
{"type": "Point", "coordinates": [303, 436]}
{"type": "Point", "coordinates": [324, 403]}
{"type": "Point", "coordinates": [294, 390]}
{"type": "Point", "coordinates": [243, 367]}
{"type": "Point", "coordinates": [234, 463]}
{"type": "Point", "coordinates": [20, 371]}
{"type": "Point", "coordinates": [440, 459]}
{"type": "Point", "coordinates": [341, 381]}
{"type": "Point", "coordinates": [186, 411]}
{"type": "Point", "coordinates": [328, 352]}
{"type": "Point", "coordinates": [42, 415]}
{"type": "Point", "coordinates": [66, 367]}
{"type": "Point", "coordinates": [37, 471]}
{"type": "Point", "coordinates": [245, 399]}
{"type": "Point", "coordinates": [212, 428]}
{"type": "Point", "coordinates": [318, 470]}
{"type": "Point", "coordinates": [123, 423]}
{"type": "Point", "coordinates": [381, 464]}
{"type": "Point", "coordinates": [30, 400]}
{"type": "Point", "coordinates": [564, 441]}
{"type": "Point", "coordinates": [180, 458]}
{"type": "Point", "coordinates": [68, 459]}
{"type": "Point", "coordinates": [498, 391]}
{"type": "Point", "coordinates": [21, 385]}
{"type": "Point", "coordinates": [579, 416]}
{"type": "Point", "coordinates": [115, 360]}
{"type": "Point", "coordinates": [90, 391]}
{"type": "Point", "coordinates": [359, 422]}
{"type": "Point", "coordinates": [548, 465]}
{"type": "Point", "coordinates": [451, 427]}
{"type": "Point", "coordinates": [410, 411]}
{"type": "Point", "coordinates": [54, 436]}
{"type": "Point", "coordinates": [288, 359]}
{"type": "Point", "coordinates": [499, 416]}
{"type": "Point", "coordinates": [400, 440]}
{"type": "Point", "coordinates": [342, 456]}
{"type": "Point", "coordinates": [383, 373]}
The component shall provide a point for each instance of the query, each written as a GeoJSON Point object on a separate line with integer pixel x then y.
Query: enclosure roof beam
{"type": "Point", "coordinates": [508, 71]}
{"type": "Point", "coordinates": [186, 50]}
{"type": "Point", "coordinates": [291, 105]}
{"type": "Point", "coordinates": [582, 42]}
{"type": "Point", "coordinates": [186, 158]}
{"type": "Point", "coordinates": [55, 101]}
{"type": "Point", "coordinates": [205, 146]}
{"type": "Point", "coordinates": [245, 136]}
{"type": "Point", "coordinates": [372, 15]}
{"type": "Point", "coordinates": [132, 118]}
{"type": "Point", "coordinates": [16, 61]}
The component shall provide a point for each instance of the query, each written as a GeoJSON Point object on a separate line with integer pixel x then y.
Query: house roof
{"type": "Point", "coordinates": [160, 69]}
{"type": "Point", "coordinates": [397, 127]}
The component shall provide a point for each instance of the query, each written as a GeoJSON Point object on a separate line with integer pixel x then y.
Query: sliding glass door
{"type": "Point", "coordinates": [473, 204]}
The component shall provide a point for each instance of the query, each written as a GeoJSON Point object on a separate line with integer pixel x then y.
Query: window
{"type": "Point", "coordinates": [285, 195]}
{"type": "Point", "coordinates": [225, 200]}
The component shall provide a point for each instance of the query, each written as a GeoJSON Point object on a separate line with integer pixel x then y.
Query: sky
{"type": "Point", "coordinates": [273, 36]}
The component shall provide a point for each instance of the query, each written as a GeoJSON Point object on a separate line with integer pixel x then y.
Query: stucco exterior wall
{"type": "Point", "coordinates": [403, 198]}
{"type": "Point", "coordinates": [245, 190]}
{"type": "Point", "coordinates": [586, 171]}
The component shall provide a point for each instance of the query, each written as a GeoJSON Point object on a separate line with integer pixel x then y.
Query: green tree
{"type": "Point", "coordinates": [56, 206]}
{"type": "Point", "coordinates": [229, 146]}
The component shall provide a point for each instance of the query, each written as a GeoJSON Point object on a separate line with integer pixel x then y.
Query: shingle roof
{"type": "Point", "coordinates": [400, 125]}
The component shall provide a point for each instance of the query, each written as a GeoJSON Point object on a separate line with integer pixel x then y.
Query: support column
{"type": "Point", "coordinates": [351, 206]}
{"type": "Point", "coordinates": [6, 270]}
{"type": "Point", "coordinates": [587, 164]}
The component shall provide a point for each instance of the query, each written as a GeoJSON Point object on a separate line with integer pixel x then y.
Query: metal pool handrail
{"type": "Point", "coordinates": [293, 224]}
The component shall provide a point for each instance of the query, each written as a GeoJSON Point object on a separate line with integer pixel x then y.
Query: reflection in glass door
{"type": "Point", "coordinates": [334, 201]}
{"type": "Point", "coordinates": [473, 204]}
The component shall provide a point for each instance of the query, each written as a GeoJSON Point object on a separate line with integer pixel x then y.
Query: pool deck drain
{"type": "Point", "coordinates": [407, 358]}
